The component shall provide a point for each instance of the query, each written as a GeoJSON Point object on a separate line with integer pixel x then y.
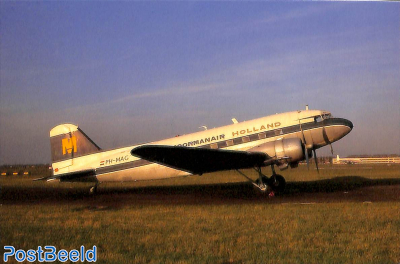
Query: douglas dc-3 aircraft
{"type": "Point", "coordinates": [281, 139]}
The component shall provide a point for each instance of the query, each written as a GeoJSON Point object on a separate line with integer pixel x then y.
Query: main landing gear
{"type": "Point", "coordinates": [274, 184]}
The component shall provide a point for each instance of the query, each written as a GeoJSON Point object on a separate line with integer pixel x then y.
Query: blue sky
{"type": "Point", "coordinates": [132, 72]}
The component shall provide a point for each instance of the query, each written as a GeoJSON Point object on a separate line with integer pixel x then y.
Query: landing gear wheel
{"type": "Point", "coordinates": [263, 186]}
{"type": "Point", "coordinates": [277, 183]}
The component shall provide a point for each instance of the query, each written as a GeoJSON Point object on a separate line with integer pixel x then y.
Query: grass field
{"type": "Point", "coordinates": [345, 214]}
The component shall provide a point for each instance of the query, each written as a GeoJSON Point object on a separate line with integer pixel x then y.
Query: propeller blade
{"type": "Point", "coordinates": [326, 139]}
{"type": "Point", "coordinates": [302, 133]}
{"type": "Point", "coordinates": [307, 160]}
{"type": "Point", "coordinates": [316, 160]}
{"type": "Point", "coordinates": [305, 146]}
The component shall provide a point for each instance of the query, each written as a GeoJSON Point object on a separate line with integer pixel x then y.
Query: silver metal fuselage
{"type": "Point", "coordinates": [119, 165]}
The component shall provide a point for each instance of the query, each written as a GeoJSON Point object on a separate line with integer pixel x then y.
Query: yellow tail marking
{"type": "Point", "coordinates": [69, 144]}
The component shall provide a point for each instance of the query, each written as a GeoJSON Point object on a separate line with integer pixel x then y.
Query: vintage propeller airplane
{"type": "Point", "coordinates": [280, 140]}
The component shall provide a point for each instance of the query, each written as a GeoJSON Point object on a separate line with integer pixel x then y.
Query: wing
{"type": "Point", "coordinates": [199, 160]}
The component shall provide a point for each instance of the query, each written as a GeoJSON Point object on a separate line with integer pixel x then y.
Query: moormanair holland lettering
{"type": "Point", "coordinates": [235, 133]}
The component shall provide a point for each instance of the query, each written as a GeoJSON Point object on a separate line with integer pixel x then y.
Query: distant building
{"type": "Point", "coordinates": [366, 160]}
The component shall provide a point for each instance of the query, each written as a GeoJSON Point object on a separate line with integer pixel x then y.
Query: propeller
{"type": "Point", "coordinates": [326, 139]}
{"type": "Point", "coordinates": [312, 148]}
{"type": "Point", "coordinates": [305, 146]}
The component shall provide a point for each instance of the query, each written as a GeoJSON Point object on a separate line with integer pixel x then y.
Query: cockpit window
{"type": "Point", "coordinates": [326, 116]}
{"type": "Point", "coordinates": [319, 118]}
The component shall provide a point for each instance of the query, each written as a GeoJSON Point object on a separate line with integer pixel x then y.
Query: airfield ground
{"type": "Point", "coordinates": [345, 214]}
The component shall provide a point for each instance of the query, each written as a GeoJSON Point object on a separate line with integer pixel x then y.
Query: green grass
{"type": "Point", "coordinates": [135, 223]}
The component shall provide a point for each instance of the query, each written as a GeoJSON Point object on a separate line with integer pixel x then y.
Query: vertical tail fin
{"type": "Point", "coordinates": [68, 141]}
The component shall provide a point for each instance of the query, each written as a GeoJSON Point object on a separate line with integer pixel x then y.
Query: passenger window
{"type": "Point", "coordinates": [261, 135]}
{"type": "Point", "coordinates": [237, 141]}
{"type": "Point", "coordinates": [229, 143]}
{"type": "Point", "coordinates": [278, 132]}
{"type": "Point", "coordinates": [245, 139]}
{"type": "Point", "coordinates": [214, 146]}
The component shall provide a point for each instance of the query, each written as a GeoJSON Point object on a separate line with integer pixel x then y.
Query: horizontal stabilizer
{"type": "Point", "coordinates": [199, 160]}
{"type": "Point", "coordinates": [77, 176]}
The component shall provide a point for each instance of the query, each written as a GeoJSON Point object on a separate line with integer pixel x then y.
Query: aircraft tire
{"type": "Point", "coordinates": [277, 183]}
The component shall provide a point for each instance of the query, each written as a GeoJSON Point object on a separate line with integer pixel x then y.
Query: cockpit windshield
{"type": "Point", "coordinates": [322, 117]}
{"type": "Point", "coordinates": [326, 116]}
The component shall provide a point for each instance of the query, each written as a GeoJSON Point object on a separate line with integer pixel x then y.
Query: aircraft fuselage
{"type": "Point", "coordinates": [315, 128]}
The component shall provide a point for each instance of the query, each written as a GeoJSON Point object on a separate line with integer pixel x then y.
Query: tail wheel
{"type": "Point", "coordinates": [277, 183]}
{"type": "Point", "coordinates": [93, 190]}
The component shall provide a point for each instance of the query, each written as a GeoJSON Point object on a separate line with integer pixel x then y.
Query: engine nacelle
{"type": "Point", "coordinates": [284, 152]}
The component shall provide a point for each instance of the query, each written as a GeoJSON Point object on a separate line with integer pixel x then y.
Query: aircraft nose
{"type": "Point", "coordinates": [347, 123]}
{"type": "Point", "coordinates": [336, 128]}
{"type": "Point", "coordinates": [344, 127]}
